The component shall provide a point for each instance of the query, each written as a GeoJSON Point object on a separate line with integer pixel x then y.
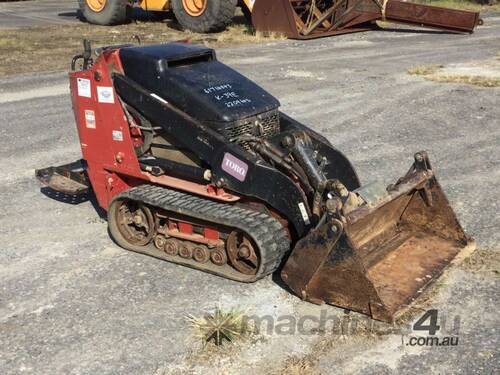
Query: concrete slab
{"type": "Point", "coordinates": [38, 13]}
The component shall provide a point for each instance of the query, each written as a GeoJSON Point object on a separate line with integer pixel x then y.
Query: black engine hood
{"type": "Point", "coordinates": [191, 78]}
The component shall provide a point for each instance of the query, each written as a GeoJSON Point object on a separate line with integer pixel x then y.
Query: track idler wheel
{"type": "Point", "coordinates": [241, 253]}
{"type": "Point", "coordinates": [131, 223]}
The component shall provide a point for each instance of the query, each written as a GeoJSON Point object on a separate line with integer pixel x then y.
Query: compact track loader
{"type": "Point", "coordinates": [195, 164]}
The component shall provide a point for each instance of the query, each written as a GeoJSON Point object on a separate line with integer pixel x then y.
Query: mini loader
{"type": "Point", "coordinates": [195, 164]}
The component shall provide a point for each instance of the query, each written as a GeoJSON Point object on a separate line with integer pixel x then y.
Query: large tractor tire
{"type": "Point", "coordinates": [204, 16]}
{"type": "Point", "coordinates": [246, 12]}
{"type": "Point", "coordinates": [106, 12]}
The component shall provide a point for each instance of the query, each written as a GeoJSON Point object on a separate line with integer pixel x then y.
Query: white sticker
{"type": "Point", "coordinates": [117, 135]}
{"type": "Point", "coordinates": [90, 119]}
{"type": "Point", "coordinates": [84, 87]}
{"type": "Point", "coordinates": [105, 94]}
{"type": "Point", "coordinates": [303, 212]}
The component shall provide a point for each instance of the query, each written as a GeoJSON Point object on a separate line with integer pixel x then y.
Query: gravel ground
{"type": "Point", "coordinates": [72, 302]}
{"type": "Point", "coordinates": [38, 13]}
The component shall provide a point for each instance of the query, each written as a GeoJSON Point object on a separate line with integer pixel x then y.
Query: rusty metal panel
{"type": "Point", "coordinates": [431, 16]}
{"type": "Point", "coordinates": [275, 16]}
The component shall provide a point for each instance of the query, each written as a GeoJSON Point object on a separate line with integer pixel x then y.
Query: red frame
{"type": "Point", "coordinates": [112, 163]}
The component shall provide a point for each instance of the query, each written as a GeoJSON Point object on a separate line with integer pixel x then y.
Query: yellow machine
{"type": "Point", "coordinates": [296, 19]}
{"type": "Point", "coordinates": [197, 15]}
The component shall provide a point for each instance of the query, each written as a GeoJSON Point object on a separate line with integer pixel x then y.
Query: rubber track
{"type": "Point", "coordinates": [266, 231]}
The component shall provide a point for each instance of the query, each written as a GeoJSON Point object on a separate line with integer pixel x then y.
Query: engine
{"type": "Point", "coordinates": [191, 78]}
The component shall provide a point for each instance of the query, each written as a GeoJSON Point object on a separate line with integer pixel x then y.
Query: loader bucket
{"type": "Point", "coordinates": [382, 256]}
{"type": "Point", "coordinates": [306, 19]}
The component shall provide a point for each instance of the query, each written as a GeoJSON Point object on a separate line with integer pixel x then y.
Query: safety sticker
{"type": "Point", "coordinates": [105, 94]}
{"type": "Point", "coordinates": [84, 87]}
{"type": "Point", "coordinates": [90, 119]}
{"type": "Point", "coordinates": [303, 212]}
{"type": "Point", "coordinates": [117, 136]}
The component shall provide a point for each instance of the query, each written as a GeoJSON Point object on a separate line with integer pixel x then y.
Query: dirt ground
{"type": "Point", "coordinates": [50, 48]}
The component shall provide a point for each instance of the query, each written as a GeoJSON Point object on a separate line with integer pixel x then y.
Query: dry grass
{"type": "Point", "coordinates": [483, 261]}
{"type": "Point", "coordinates": [367, 330]}
{"type": "Point", "coordinates": [220, 327]}
{"type": "Point", "coordinates": [246, 34]}
{"type": "Point", "coordinates": [470, 80]}
{"type": "Point", "coordinates": [51, 48]}
{"type": "Point", "coordinates": [434, 73]}
{"type": "Point", "coordinates": [423, 70]}
{"type": "Point", "coordinates": [299, 366]}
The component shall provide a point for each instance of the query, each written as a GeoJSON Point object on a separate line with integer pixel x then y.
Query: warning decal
{"type": "Point", "coordinates": [105, 94]}
{"type": "Point", "coordinates": [90, 119]}
{"type": "Point", "coordinates": [84, 87]}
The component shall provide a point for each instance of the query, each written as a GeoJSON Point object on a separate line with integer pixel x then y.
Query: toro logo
{"type": "Point", "coordinates": [235, 167]}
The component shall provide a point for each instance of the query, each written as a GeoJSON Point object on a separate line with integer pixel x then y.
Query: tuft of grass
{"type": "Point", "coordinates": [470, 80]}
{"type": "Point", "coordinates": [423, 70]}
{"type": "Point", "coordinates": [220, 326]}
{"type": "Point", "coordinates": [431, 73]}
{"type": "Point", "coordinates": [245, 33]}
{"type": "Point", "coordinates": [299, 366]}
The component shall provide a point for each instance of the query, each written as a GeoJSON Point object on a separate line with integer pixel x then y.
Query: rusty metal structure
{"type": "Point", "coordinates": [306, 19]}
